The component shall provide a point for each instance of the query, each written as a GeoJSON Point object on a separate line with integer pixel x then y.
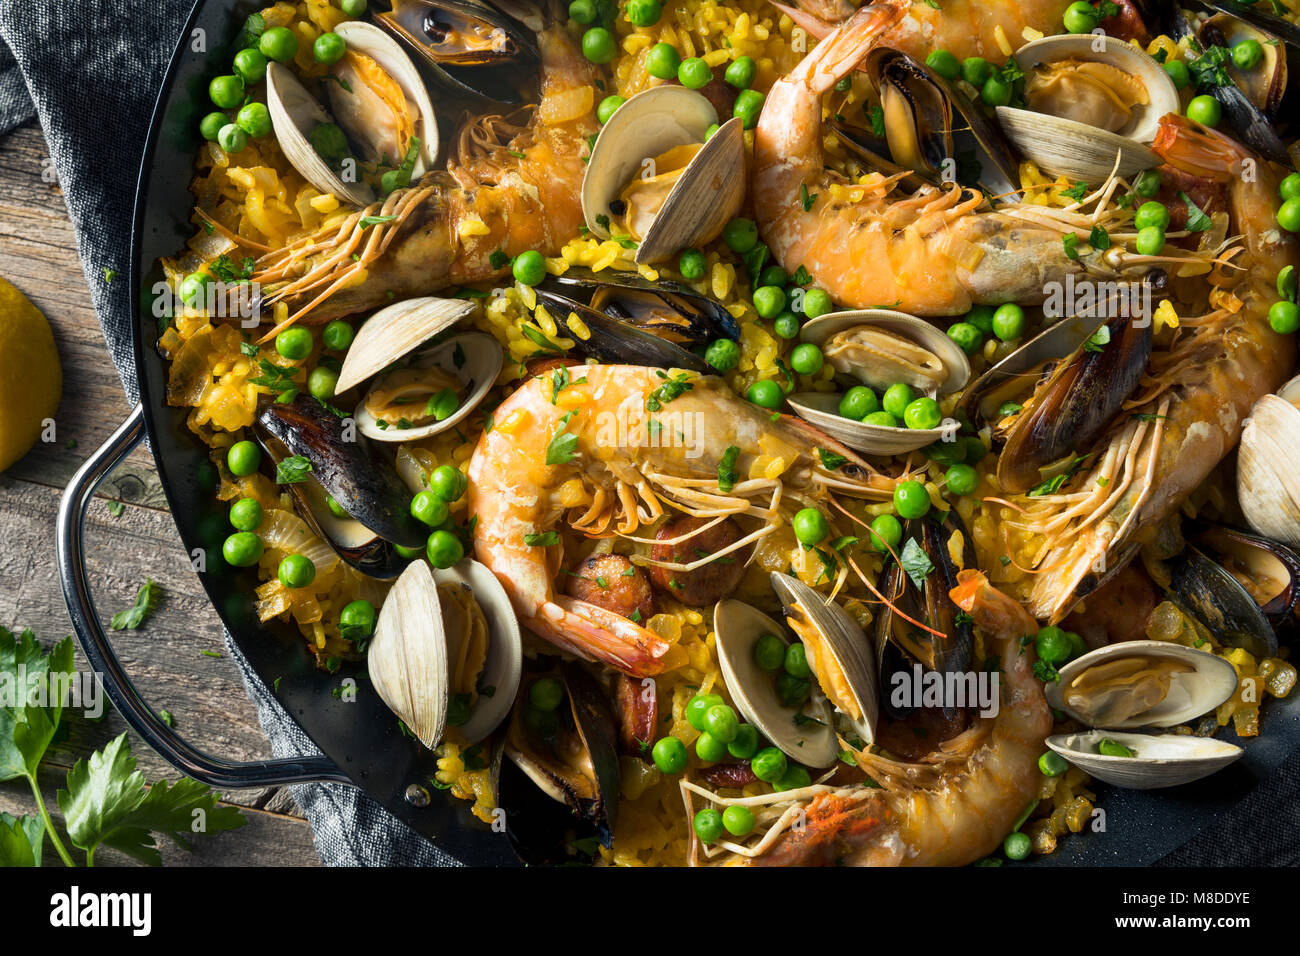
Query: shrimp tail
{"type": "Point", "coordinates": [848, 45]}
{"type": "Point", "coordinates": [591, 632]}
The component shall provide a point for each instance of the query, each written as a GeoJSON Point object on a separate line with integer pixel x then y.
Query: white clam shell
{"type": "Point", "coordinates": [1166, 760]}
{"type": "Point", "coordinates": [482, 359]}
{"type": "Point", "coordinates": [395, 331]}
{"type": "Point", "coordinates": [738, 628]}
{"type": "Point", "coordinates": [1268, 466]}
{"type": "Point", "coordinates": [410, 654]}
{"type": "Point", "coordinates": [1062, 147]}
{"type": "Point", "coordinates": [707, 195]}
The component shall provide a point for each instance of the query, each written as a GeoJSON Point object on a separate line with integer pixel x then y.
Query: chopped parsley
{"type": "Point", "coordinates": [727, 469]}
{"type": "Point", "coordinates": [543, 540]}
{"type": "Point", "coordinates": [292, 470]}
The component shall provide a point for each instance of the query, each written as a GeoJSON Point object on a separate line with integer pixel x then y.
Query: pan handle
{"type": "Point", "coordinates": [70, 546]}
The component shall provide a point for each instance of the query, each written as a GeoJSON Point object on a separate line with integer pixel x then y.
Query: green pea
{"type": "Point", "coordinates": [786, 325]}
{"type": "Point", "coordinates": [336, 509]}
{"type": "Point", "coordinates": [975, 450]}
{"type": "Point", "coordinates": [296, 571]}
{"type": "Point", "coordinates": [792, 691]}
{"type": "Point", "coordinates": [663, 61]}
{"type": "Point", "coordinates": [745, 744]}
{"type": "Point", "coordinates": [444, 549]}
{"type": "Point", "coordinates": [529, 268]}
{"type": "Point", "coordinates": [279, 44]}
{"type": "Point", "coordinates": [923, 413]}
{"type": "Point", "coordinates": [980, 316]}
{"type": "Point", "coordinates": [669, 755]}
{"type": "Point", "coordinates": [598, 45]}
{"type": "Point", "coordinates": [944, 63]}
{"type": "Point", "coordinates": [357, 617]}
{"type": "Point", "coordinates": [697, 707]}
{"type": "Point", "coordinates": [544, 723]}
{"type": "Point", "coordinates": [1204, 109]}
{"type": "Point", "coordinates": [807, 359]}
{"type": "Point", "coordinates": [250, 64]}
{"type": "Point", "coordinates": [766, 394]}
{"type": "Point", "coordinates": [329, 48]}
{"type": "Point", "coordinates": [194, 289]}
{"type": "Point", "coordinates": [708, 825]}
{"type": "Point", "coordinates": [1052, 645]}
{"type": "Point", "coordinates": [967, 336]}
{"type": "Point", "coordinates": [243, 458]}
{"type": "Point", "coordinates": [1150, 241]}
{"type": "Point", "coordinates": [1080, 17]}
{"type": "Point", "coordinates": [774, 275]}
{"type": "Point", "coordinates": [882, 419]}
{"type": "Point", "coordinates": [643, 13]}
{"type": "Point", "coordinates": [1017, 845]}
{"type": "Point", "coordinates": [1288, 215]}
{"type": "Point", "coordinates": [858, 402]}
{"type": "Point", "coordinates": [1286, 283]}
{"type": "Point", "coordinates": [232, 139]}
{"type": "Point", "coordinates": [692, 264]}
{"type": "Point", "coordinates": [329, 141]}
{"type": "Point", "coordinates": [242, 549]}
{"type": "Point", "coordinates": [608, 106]}
{"type": "Point", "coordinates": [211, 125]}
{"type": "Point", "coordinates": [996, 91]}
{"type": "Point", "coordinates": [721, 721]}
{"type": "Point", "coordinates": [226, 92]}
{"type": "Point", "coordinates": [246, 514]}
{"type": "Point", "coordinates": [724, 354]}
{"type": "Point", "coordinates": [294, 343]}
{"type": "Point", "coordinates": [1247, 54]}
{"type": "Point", "coordinates": [429, 509]}
{"type": "Point", "coordinates": [897, 397]}
{"type": "Point", "coordinates": [353, 8]}
{"type": "Point", "coordinates": [1151, 214]}
{"type": "Point", "coordinates": [1113, 748]}
{"type": "Point", "coordinates": [739, 821]}
{"type": "Point", "coordinates": [254, 119]}
{"type": "Point", "coordinates": [769, 301]}
{"type": "Point", "coordinates": [1078, 647]}
{"type": "Point", "coordinates": [547, 693]}
{"type": "Point", "coordinates": [409, 554]}
{"type": "Point", "coordinates": [1009, 322]}
{"type": "Point", "coordinates": [740, 72]}
{"type": "Point", "coordinates": [810, 527]}
{"type": "Point", "coordinates": [1052, 764]}
{"type": "Point", "coordinates": [338, 335]}
{"type": "Point", "coordinates": [740, 235]}
{"type": "Point", "coordinates": [886, 533]}
{"type": "Point", "coordinates": [817, 302]}
{"type": "Point", "coordinates": [1178, 72]}
{"type": "Point", "coordinates": [911, 500]}
{"type": "Point", "coordinates": [582, 11]}
{"type": "Point", "coordinates": [710, 130]}
{"type": "Point", "coordinates": [962, 479]}
{"type": "Point", "coordinates": [694, 73]}
{"type": "Point", "coordinates": [794, 778]}
{"type": "Point", "coordinates": [769, 653]}
{"type": "Point", "coordinates": [1147, 184]}
{"type": "Point", "coordinates": [749, 107]}
{"type": "Point", "coordinates": [709, 748]}
{"type": "Point", "coordinates": [448, 483]}
{"type": "Point", "coordinates": [1284, 317]}
{"type": "Point", "coordinates": [976, 70]}
{"type": "Point", "coordinates": [769, 764]}
{"type": "Point", "coordinates": [796, 661]}
{"type": "Point", "coordinates": [1289, 188]}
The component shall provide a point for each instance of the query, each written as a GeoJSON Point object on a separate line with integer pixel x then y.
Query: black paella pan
{"type": "Point", "coordinates": [359, 740]}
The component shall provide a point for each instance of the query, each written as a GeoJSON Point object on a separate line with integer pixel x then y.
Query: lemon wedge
{"type": "Point", "coordinates": [31, 379]}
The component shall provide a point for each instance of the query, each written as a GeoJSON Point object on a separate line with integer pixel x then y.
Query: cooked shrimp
{"type": "Point", "coordinates": [952, 808]}
{"type": "Point", "coordinates": [962, 27]}
{"type": "Point", "coordinates": [1200, 393]}
{"type": "Point", "coordinates": [622, 446]}
{"type": "Point", "coordinates": [934, 253]}
{"type": "Point", "coordinates": [509, 189]}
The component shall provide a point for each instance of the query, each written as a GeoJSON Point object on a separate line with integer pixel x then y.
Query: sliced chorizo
{"type": "Point", "coordinates": [613, 582]}
{"type": "Point", "coordinates": [709, 583]}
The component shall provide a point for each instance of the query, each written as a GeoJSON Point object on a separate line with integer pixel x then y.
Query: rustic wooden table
{"type": "Point", "coordinates": [204, 694]}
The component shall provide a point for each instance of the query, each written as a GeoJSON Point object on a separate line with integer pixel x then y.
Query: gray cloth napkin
{"type": "Point", "coordinates": [90, 71]}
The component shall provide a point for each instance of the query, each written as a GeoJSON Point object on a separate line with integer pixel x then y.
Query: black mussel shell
{"type": "Point", "coordinates": [615, 342]}
{"type": "Point", "coordinates": [1202, 588]}
{"type": "Point", "coordinates": [1267, 569]}
{"type": "Point", "coordinates": [665, 307]}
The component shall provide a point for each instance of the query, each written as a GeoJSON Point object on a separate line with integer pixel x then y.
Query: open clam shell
{"type": "Point", "coordinates": [1268, 466]}
{"type": "Point", "coordinates": [473, 359]}
{"type": "Point", "coordinates": [1092, 98]}
{"type": "Point", "coordinates": [395, 331]}
{"type": "Point", "coordinates": [1118, 687]}
{"type": "Point", "coordinates": [1165, 760]}
{"type": "Point", "coordinates": [839, 653]}
{"type": "Point", "coordinates": [667, 210]}
{"type": "Point", "coordinates": [879, 347]}
{"type": "Point", "coordinates": [425, 639]}
{"type": "Point", "coordinates": [738, 628]}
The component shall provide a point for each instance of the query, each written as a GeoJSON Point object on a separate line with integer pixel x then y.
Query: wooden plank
{"type": "Point", "coordinates": [38, 254]}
